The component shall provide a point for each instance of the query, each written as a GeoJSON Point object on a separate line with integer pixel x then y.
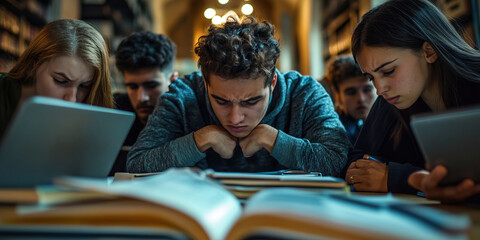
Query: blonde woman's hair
{"type": "Point", "coordinates": [68, 37]}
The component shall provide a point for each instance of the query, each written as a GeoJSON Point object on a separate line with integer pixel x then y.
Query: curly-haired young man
{"type": "Point", "coordinates": [145, 60]}
{"type": "Point", "coordinates": [241, 114]}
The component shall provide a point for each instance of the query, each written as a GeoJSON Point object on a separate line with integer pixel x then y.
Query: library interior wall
{"type": "Point", "coordinates": [310, 32]}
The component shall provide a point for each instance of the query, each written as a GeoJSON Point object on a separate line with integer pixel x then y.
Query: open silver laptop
{"type": "Point", "coordinates": [453, 140]}
{"type": "Point", "coordinates": [48, 138]}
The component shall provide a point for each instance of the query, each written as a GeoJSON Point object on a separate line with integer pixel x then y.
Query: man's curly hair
{"type": "Point", "coordinates": [145, 50]}
{"type": "Point", "coordinates": [245, 49]}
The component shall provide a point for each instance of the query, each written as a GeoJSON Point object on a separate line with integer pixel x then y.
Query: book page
{"type": "Point", "coordinates": [214, 208]}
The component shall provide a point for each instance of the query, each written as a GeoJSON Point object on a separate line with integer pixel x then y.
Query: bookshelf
{"type": "Point", "coordinates": [115, 20]}
{"type": "Point", "coordinates": [20, 21]}
{"type": "Point", "coordinates": [340, 18]}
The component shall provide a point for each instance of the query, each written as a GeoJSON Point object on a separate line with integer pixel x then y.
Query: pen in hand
{"type": "Point", "coordinates": [368, 157]}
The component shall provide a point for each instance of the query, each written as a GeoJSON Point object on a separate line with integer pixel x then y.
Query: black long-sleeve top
{"type": "Point", "coordinates": [399, 151]}
{"type": "Point", "coordinates": [386, 135]}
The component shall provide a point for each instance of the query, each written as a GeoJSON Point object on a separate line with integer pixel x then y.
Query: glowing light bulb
{"type": "Point", "coordinates": [223, 1]}
{"type": "Point", "coordinates": [247, 9]}
{"type": "Point", "coordinates": [209, 13]}
{"type": "Point", "coordinates": [217, 19]}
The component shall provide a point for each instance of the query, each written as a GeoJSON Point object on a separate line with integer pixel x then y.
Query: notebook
{"type": "Point", "coordinates": [48, 138]}
{"type": "Point", "coordinates": [451, 139]}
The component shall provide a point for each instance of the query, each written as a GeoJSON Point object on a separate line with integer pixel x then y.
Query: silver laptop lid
{"type": "Point", "coordinates": [48, 138]}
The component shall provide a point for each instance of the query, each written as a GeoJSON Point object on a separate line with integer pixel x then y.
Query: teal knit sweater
{"type": "Point", "coordinates": [311, 136]}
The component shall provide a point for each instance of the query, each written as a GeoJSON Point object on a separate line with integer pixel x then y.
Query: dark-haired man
{"type": "Point", "coordinates": [146, 61]}
{"type": "Point", "coordinates": [354, 93]}
{"type": "Point", "coordinates": [241, 114]}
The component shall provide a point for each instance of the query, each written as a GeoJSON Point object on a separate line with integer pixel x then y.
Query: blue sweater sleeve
{"type": "Point", "coordinates": [323, 144]}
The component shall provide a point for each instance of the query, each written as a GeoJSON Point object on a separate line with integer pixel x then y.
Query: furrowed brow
{"type": "Point", "coordinates": [383, 65]}
{"type": "Point", "coordinates": [253, 98]}
{"type": "Point", "coordinates": [63, 75]}
{"type": "Point", "coordinates": [219, 98]}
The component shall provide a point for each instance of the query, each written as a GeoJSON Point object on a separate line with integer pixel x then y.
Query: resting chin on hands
{"type": "Point", "coordinates": [262, 136]}
{"type": "Point", "coordinates": [217, 138]}
{"type": "Point", "coordinates": [428, 182]}
{"type": "Point", "coordinates": [367, 176]}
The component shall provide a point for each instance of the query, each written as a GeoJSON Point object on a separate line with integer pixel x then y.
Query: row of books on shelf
{"type": "Point", "coordinates": [36, 7]}
{"type": "Point", "coordinates": [9, 21]}
{"type": "Point", "coordinates": [9, 43]}
{"type": "Point", "coordinates": [29, 31]}
{"type": "Point", "coordinates": [19, 24]}
{"type": "Point", "coordinates": [188, 204]}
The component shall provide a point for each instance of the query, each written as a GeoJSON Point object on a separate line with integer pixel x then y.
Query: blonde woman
{"type": "Point", "coordinates": [68, 60]}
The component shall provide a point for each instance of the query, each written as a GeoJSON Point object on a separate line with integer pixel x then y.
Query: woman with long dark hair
{"type": "Point", "coordinates": [418, 63]}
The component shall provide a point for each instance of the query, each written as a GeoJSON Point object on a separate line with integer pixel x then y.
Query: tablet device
{"type": "Point", "coordinates": [453, 140]}
{"type": "Point", "coordinates": [48, 138]}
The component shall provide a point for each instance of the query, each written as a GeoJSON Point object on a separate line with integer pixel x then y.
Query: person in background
{"type": "Point", "coordinates": [241, 114]}
{"type": "Point", "coordinates": [146, 61]}
{"type": "Point", "coordinates": [418, 63]}
{"type": "Point", "coordinates": [68, 59]}
{"type": "Point", "coordinates": [354, 94]}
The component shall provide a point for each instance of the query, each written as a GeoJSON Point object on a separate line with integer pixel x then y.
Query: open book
{"type": "Point", "coordinates": [181, 204]}
{"type": "Point", "coordinates": [177, 201]}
